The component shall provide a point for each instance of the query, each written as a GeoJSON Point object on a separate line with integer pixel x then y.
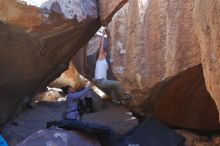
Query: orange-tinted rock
{"type": "Point", "coordinates": [185, 102]}
{"type": "Point", "coordinates": [69, 78]}
{"type": "Point", "coordinates": [156, 56]}
{"type": "Point", "coordinates": [216, 140]}
{"type": "Point", "coordinates": [153, 41]}
{"type": "Point", "coordinates": [50, 96]}
{"type": "Point", "coordinates": [37, 45]}
{"type": "Point", "coordinates": [205, 144]}
{"type": "Point", "coordinates": [107, 8]}
{"type": "Point", "coordinates": [207, 22]}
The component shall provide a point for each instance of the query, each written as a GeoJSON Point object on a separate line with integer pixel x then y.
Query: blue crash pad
{"type": "Point", "coordinates": [154, 133]}
{"type": "Point", "coordinates": [2, 141]}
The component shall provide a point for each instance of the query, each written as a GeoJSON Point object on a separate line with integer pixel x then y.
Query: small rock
{"type": "Point", "coordinates": [50, 96]}
{"type": "Point", "coordinates": [205, 144]}
{"type": "Point", "coordinates": [192, 138]}
{"type": "Point", "coordinates": [216, 140]}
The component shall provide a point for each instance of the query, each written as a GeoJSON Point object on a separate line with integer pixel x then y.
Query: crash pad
{"type": "Point", "coordinates": [153, 133]}
{"type": "Point", "coordinates": [2, 141]}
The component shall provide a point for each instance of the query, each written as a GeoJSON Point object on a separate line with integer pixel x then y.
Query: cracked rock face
{"type": "Point", "coordinates": [38, 39]}
{"type": "Point", "coordinates": [162, 56]}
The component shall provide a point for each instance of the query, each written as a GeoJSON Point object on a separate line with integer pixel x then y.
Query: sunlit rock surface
{"type": "Point", "coordinates": [69, 78]}
{"type": "Point", "coordinates": [34, 13]}
{"type": "Point", "coordinates": [107, 8]}
{"type": "Point", "coordinates": [157, 56]}
{"type": "Point", "coordinates": [36, 44]}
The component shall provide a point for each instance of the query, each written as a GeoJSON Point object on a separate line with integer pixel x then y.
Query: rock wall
{"type": "Point", "coordinates": [108, 8]}
{"type": "Point", "coordinates": [157, 57]}
{"type": "Point", "coordinates": [157, 36]}
{"type": "Point", "coordinates": [36, 45]}
{"type": "Point", "coordinates": [207, 22]}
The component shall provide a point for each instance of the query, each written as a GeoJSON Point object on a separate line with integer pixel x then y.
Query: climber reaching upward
{"type": "Point", "coordinates": [101, 73]}
{"type": "Point", "coordinates": [102, 48]}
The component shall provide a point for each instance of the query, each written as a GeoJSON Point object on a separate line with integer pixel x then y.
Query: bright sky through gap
{"type": "Point", "coordinates": [36, 3]}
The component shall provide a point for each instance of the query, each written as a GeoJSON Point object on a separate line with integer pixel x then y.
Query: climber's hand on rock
{"type": "Point", "coordinates": [103, 32]}
{"type": "Point", "coordinates": [89, 84]}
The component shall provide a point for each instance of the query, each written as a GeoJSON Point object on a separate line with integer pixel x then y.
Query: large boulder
{"type": "Point", "coordinates": [70, 77]}
{"type": "Point", "coordinates": [207, 22]}
{"type": "Point", "coordinates": [157, 57]}
{"type": "Point", "coordinates": [59, 137]}
{"type": "Point", "coordinates": [38, 39]}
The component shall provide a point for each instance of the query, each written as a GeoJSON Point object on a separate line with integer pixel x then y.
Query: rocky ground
{"type": "Point", "coordinates": [193, 139]}
{"type": "Point", "coordinates": [34, 119]}
{"type": "Point", "coordinates": [30, 125]}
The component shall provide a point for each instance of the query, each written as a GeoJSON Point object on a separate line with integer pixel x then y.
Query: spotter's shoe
{"type": "Point", "coordinates": [117, 101]}
{"type": "Point", "coordinates": [127, 97]}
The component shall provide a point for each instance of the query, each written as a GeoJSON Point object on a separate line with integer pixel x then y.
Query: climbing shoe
{"type": "Point", "coordinates": [126, 98]}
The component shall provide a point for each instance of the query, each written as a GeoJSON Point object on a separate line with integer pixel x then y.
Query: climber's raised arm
{"type": "Point", "coordinates": [101, 46]}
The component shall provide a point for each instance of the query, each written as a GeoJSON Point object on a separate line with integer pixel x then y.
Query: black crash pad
{"type": "Point", "coordinates": [153, 133]}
